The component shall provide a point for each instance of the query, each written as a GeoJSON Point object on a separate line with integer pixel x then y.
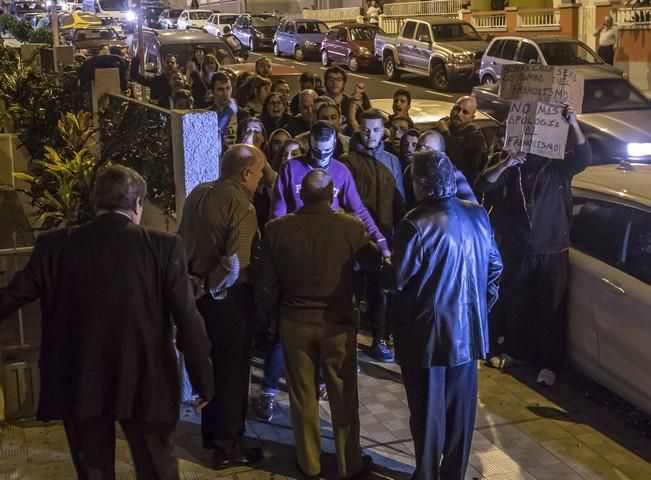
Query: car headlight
{"type": "Point", "coordinates": [131, 16]}
{"type": "Point", "coordinates": [639, 149]}
{"type": "Point", "coordinates": [461, 58]}
{"type": "Point", "coordinates": [310, 44]}
{"type": "Point", "coordinates": [364, 51]}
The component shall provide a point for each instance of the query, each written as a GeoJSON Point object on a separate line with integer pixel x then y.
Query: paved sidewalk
{"type": "Point", "coordinates": [523, 432]}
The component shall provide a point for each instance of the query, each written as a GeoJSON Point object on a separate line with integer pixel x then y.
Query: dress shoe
{"type": "Point", "coordinates": [367, 464]}
{"type": "Point", "coordinates": [305, 476]}
{"type": "Point", "coordinates": [243, 458]}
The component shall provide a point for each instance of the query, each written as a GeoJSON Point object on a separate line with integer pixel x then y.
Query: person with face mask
{"type": "Point", "coordinates": [329, 112]}
{"type": "Point", "coordinates": [464, 143]}
{"type": "Point", "coordinates": [378, 176]}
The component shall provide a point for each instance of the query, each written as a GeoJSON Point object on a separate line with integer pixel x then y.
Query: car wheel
{"type": "Point", "coordinates": [276, 50]}
{"type": "Point", "coordinates": [439, 77]}
{"type": "Point", "coordinates": [298, 53]}
{"type": "Point", "coordinates": [488, 79]}
{"type": "Point", "coordinates": [325, 60]}
{"type": "Point", "coordinates": [353, 66]}
{"type": "Point", "coordinates": [390, 70]}
{"type": "Point", "coordinates": [251, 44]}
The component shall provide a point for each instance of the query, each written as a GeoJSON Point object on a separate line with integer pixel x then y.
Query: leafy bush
{"type": "Point", "coordinates": [7, 22]}
{"type": "Point", "coordinates": [41, 35]}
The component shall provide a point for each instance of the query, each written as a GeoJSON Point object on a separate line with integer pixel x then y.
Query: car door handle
{"type": "Point", "coordinates": [613, 286]}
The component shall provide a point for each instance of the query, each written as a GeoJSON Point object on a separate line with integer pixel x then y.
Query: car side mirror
{"type": "Point", "coordinates": [423, 38]}
{"type": "Point", "coordinates": [150, 67]}
{"type": "Point", "coordinates": [533, 61]}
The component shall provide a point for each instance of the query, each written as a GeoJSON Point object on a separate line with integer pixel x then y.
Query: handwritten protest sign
{"type": "Point", "coordinates": [538, 128]}
{"type": "Point", "coordinates": [542, 83]}
{"type": "Point", "coordinates": [539, 93]}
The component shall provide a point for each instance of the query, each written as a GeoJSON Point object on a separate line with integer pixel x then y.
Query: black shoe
{"type": "Point", "coordinates": [246, 457]}
{"type": "Point", "coordinates": [263, 406]}
{"type": "Point", "coordinates": [305, 476]}
{"type": "Point", "coordinates": [367, 464]}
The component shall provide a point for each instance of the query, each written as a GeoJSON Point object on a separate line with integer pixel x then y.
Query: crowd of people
{"type": "Point", "coordinates": [322, 204]}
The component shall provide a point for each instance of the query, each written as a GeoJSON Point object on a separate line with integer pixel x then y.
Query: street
{"type": "Point", "coordinates": [377, 86]}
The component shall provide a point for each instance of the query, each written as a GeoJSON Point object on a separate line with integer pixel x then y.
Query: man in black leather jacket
{"type": "Point", "coordinates": [445, 267]}
{"type": "Point", "coordinates": [531, 216]}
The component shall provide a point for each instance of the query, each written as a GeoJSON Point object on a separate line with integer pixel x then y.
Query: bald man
{"type": "Point", "coordinates": [464, 143]}
{"type": "Point", "coordinates": [220, 232]}
{"type": "Point", "coordinates": [307, 113]}
{"type": "Point", "coordinates": [306, 276]}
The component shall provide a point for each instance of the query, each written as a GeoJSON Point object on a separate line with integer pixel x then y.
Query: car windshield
{"type": "Point", "coordinates": [359, 33]}
{"type": "Point", "coordinates": [152, 11]}
{"type": "Point", "coordinates": [185, 51]}
{"type": "Point", "coordinates": [200, 15]}
{"type": "Point", "coordinates": [30, 7]}
{"type": "Point", "coordinates": [311, 27]}
{"type": "Point", "coordinates": [114, 5]}
{"type": "Point", "coordinates": [264, 21]}
{"type": "Point", "coordinates": [229, 19]}
{"type": "Point", "coordinates": [109, 21]}
{"type": "Point", "coordinates": [175, 13]}
{"type": "Point", "coordinates": [568, 53]}
{"type": "Point", "coordinates": [611, 95]}
{"type": "Point", "coordinates": [454, 32]}
{"type": "Point", "coordinates": [95, 34]}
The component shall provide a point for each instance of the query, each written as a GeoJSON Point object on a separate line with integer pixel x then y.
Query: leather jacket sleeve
{"type": "Point", "coordinates": [494, 273]}
{"type": "Point", "coordinates": [406, 259]}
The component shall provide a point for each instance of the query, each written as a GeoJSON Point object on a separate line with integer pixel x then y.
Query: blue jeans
{"type": "Point", "coordinates": [274, 366]}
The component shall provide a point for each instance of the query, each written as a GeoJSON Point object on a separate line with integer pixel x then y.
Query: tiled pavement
{"type": "Point", "coordinates": [523, 432]}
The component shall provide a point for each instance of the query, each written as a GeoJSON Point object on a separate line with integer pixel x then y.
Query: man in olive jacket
{"type": "Point", "coordinates": [111, 293]}
{"type": "Point", "coordinates": [445, 270]}
{"type": "Point", "coordinates": [306, 279]}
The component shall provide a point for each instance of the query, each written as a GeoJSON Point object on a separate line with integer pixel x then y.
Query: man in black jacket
{"type": "Point", "coordinates": [160, 89]}
{"type": "Point", "coordinates": [109, 291]}
{"type": "Point", "coordinates": [531, 216]}
{"type": "Point", "coordinates": [444, 270]}
{"type": "Point", "coordinates": [464, 143]}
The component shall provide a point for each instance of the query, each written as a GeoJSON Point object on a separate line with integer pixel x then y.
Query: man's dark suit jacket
{"type": "Point", "coordinates": [110, 291]}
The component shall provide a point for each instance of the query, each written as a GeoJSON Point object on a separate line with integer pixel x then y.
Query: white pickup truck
{"type": "Point", "coordinates": [443, 49]}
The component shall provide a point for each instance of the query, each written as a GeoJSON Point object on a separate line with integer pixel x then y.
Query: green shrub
{"type": "Point", "coordinates": [41, 35]}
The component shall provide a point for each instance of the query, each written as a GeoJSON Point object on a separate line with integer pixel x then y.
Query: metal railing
{"type": "Point", "coordinates": [390, 25]}
{"type": "Point", "coordinates": [333, 15]}
{"type": "Point", "coordinates": [539, 20]}
{"type": "Point", "coordinates": [495, 22]}
{"type": "Point", "coordinates": [632, 17]}
{"type": "Point", "coordinates": [431, 7]}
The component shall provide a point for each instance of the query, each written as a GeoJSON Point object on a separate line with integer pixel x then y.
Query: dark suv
{"type": "Point", "coordinates": [159, 43]}
{"type": "Point", "coordinates": [256, 31]}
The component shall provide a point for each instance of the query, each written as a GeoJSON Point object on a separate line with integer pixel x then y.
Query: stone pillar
{"type": "Point", "coordinates": [196, 148]}
{"type": "Point", "coordinates": [570, 20]}
{"type": "Point", "coordinates": [107, 80]}
{"type": "Point", "coordinates": [511, 20]}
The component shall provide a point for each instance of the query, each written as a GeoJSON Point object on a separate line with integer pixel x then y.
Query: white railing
{"type": "Point", "coordinates": [291, 15]}
{"type": "Point", "coordinates": [490, 23]}
{"type": "Point", "coordinates": [333, 15]}
{"type": "Point", "coordinates": [537, 20]}
{"type": "Point", "coordinates": [431, 7]}
{"type": "Point", "coordinates": [632, 17]}
{"type": "Point", "coordinates": [390, 25]}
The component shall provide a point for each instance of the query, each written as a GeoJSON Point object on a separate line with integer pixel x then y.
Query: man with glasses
{"type": "Point", "coordinates": [335, 82]}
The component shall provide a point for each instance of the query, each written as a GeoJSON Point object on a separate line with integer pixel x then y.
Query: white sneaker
{"type": "Point", "coordinates": [546, 377]}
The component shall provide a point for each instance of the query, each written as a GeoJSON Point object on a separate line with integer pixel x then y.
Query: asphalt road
{"type": "Point", "coordinates": [377, 86]}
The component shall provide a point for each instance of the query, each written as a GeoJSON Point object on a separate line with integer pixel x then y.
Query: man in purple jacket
{"type": "Point", "coordinates": [286, 199]}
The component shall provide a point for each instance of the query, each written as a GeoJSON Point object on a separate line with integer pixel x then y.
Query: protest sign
{"type": "Point", "coordinates": [542, 83]}
{"type": "Point", "coordinates": [538, 128]}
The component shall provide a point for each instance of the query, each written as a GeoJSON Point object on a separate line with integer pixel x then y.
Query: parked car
{"type": "Point", "coordinates": [609, 292]}
{"type": "Point", "coordinates": [169, 17]}
{"type": "Point", "coordinates": [255, 31]}
{"type": "Point", "coordinates": [87, 41]}
{"type": "Point", "coordinates": [159, 43]}
{"type": "Point", "coordinates": [300, 38]}
{"type": "Point", "coordinates": [351, 44]}
{"type": "Point", "coordinates": [220, 23]}
{"type": "Point", "coordinates": [24, 8]}
{"type": "Point", "coordinates": [151, 15]}
{"type": "Point", "coordinates": [443, 49]}
{"type": "Point", "coordinates": [193, 18]}
{"type": "Point", "coordinates": [616, 116]}
{"type": "Point", "coordinates": [76, 19]}
{"type": "Point", "coordinates": [557, 51]}
{"type": "Point", "coordinates": [110, 22]}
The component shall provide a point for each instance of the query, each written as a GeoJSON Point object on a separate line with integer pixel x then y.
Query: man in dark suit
{"type": "Point", "coordinates": [111, 293]}
{"type": "Point", "coordinates": [306, 275]}
{"type": "Point", "coordinates": [445, 270]}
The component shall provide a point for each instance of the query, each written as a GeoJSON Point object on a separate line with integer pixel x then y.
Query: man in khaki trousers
{"type": "Point", "coordinates": [305, 278]}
